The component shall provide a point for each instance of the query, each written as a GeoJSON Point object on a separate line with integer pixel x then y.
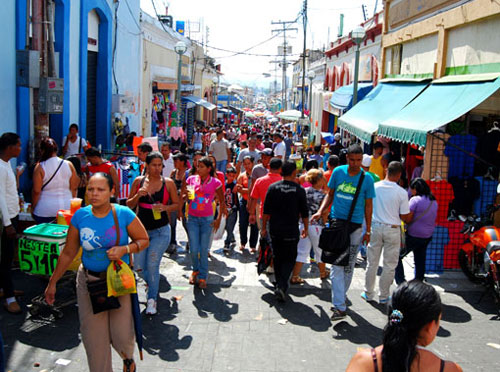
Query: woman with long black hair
{"type": "Point", "coordinates": [423, 213]}
{"type": "Point", "coordinates": [413, 322]}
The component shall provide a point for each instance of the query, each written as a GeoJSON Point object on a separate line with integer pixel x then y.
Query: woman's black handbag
{"type": "Point", "coordinates": [336, 238]}
{"type": "Point", "coordinates": [98, 289]}
{"type": "Point", "coordinates": [98, 292]}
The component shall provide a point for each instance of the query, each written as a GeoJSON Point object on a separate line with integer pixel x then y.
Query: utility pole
{"type": "Point", "coordinates": [39, 24]}
{"type": "Point", "coordinates": [304, 17]}
{"type": "Point", "coordinates": [284, 63]}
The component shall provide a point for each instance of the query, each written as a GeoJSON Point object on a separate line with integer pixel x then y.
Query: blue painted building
{"type": "Point", "coordinates": [91, 47]}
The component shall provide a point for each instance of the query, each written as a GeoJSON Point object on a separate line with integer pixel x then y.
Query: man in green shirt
{"type": "Point", "coordinates": [365, 164]}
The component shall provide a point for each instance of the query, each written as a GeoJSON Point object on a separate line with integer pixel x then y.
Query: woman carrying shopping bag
{"type": "Point", "coordinates": [103, 230]}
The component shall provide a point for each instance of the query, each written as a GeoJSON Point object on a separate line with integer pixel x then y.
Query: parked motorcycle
{"type": "Point", "coordinates": [479, 256]}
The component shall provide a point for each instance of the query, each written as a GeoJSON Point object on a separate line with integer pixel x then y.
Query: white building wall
{"type": "Point", "coordinates": [419, 56]}
{"type": "Point", "coordinates": [474, 44]}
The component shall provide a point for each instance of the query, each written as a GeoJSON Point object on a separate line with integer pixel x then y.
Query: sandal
{"type": "Point", "coordinates": [242, 247]}
{"type": "Point", "coordinates": [253, 250]}
{"type": "Point", "coordinates": [202, 284]}
{"type": "Point", "coordinates": [296, 279]}
{"type": "Point", "coordinates": [129, 365]}
{"type": "Point", "coordinates": [193, 277]}
{"type": "Point", "coordinates": [324, 275]}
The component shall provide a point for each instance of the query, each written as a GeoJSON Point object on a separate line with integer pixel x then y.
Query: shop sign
{"type": "Point", "coordinates": [38, 257]}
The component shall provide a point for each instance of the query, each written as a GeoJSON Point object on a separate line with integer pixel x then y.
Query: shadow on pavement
{"type": "Point", "coordinates": [206, 302]}
{"type": "Point", "coordinates": [160, 338]}
{"type": "Point", "coordinates": [38, 332]}
{"type": "Point", "coordinates": [363, 333]}
{"type": "Point", "coordinates": [482, 301]}
{"type": "Point", "coordinates": [299, 313]}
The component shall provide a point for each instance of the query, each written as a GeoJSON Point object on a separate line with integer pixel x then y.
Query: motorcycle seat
{"type": "Point", "coordinates": [493, 246]}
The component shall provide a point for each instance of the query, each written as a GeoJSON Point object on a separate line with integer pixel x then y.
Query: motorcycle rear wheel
{"type": "Point", "coordinates": [465, 264]}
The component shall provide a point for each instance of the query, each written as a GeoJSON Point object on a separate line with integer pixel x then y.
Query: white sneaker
{"type": "Point", "coordinates": [151, 307]}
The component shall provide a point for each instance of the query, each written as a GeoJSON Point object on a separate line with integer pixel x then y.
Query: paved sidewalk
{"type": "Point", "coordinates": [236, 324]}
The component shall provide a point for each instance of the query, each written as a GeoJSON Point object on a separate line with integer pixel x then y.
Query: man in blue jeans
{"type": "Point", "coordinates": [221, 151]}
{"type": "Point", "coordinates": [342, 185]}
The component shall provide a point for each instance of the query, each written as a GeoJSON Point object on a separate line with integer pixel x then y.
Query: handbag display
{"type": "Point", "coordinates": [98, 289]}
{"type": "Point", "coordinates": [336, 238]}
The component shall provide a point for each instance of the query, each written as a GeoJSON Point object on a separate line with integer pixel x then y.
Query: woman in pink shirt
{"type": "Point", "coordinates": [203, 188]}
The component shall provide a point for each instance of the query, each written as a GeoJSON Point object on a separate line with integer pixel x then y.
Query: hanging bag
{"type": "Point", "coordinates": [98, 289]}
{"type": "Point", "coordinates": [336, 238]}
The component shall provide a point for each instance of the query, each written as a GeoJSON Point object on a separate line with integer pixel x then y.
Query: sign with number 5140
{"type": "Point", "coordinates": [38, 257]}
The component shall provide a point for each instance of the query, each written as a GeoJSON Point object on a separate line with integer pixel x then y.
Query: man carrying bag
{"type": "Point", "coordinates": [350, 197]}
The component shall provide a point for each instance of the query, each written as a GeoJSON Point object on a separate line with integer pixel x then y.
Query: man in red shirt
{"type": "Point", "coordinates": [97, 164]}
{"type": "Point", "coordinates": [333, 162]}
{"type": "Point", "coordinates": [259, 190]}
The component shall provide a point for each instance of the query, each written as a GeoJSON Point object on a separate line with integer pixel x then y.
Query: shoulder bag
{"type": "Point", "coordinates": [51, 178]}
{"type": "Point", "coordinates": [404, 249]}
{"type": "Point", "coordinates": [98, 289]}
{"type": "Point", "coordinates": [336, 238]}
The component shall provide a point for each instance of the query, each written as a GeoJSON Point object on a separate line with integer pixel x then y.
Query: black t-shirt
{"type": "Point", "coordinates": [230, 197]}
{"type": "Point", "coordinates": [285, 202]}
{"type": "Point", "coordinates": [466, 191]}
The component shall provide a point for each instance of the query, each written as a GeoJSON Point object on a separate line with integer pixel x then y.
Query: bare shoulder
{"type": "Point", "coordinates": [361, 361]}
{"type": "Point", "coordinates": [430, 359]}
{"type": "Point", "coordinates": [452, 367]}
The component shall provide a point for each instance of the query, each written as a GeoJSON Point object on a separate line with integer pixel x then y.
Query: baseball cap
{"type": "Point", "coordinates": [367, 160]}
{"type": "Point", "coordinates": [267, 152]}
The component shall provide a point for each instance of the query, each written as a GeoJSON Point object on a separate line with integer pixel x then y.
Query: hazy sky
{"type": "Point", "coordinates": [237, 25]}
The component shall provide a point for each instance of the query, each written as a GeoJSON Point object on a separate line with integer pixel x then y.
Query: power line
{"type": "Point", "coordinates": [132, 15]}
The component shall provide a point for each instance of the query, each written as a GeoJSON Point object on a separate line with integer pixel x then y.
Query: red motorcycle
{"type": "Point", "coordinates": [479, 256]}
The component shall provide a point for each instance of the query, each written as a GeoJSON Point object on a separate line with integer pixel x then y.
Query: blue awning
{"type": "Point", "coordinates": [342, 97]}
{"type": "Point", "coordinates": [225, 97]}
{"type": "Point", "coordinates": [199, 101]}
{"type": "Point", "coordinates": [441, 103]}
{"type": "Point", "coordinates": [385, 100]}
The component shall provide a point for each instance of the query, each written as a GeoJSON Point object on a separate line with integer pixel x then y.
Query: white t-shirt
{"type": "Point", "coordinates": [74, 147]}
{"type": "Point", "coordinates": [168, 166]}
{"type": "Point", "coordinates": [391, 201]}
{"type": "Point", "coordinates": [219, 149]}
{"type": "Point", "coordinates": [9, 199]}
{"type": "Point", "coordinates": [280, 150]}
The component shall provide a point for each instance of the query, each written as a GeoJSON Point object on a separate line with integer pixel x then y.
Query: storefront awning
{"type": "Point", "coordinates": [438, 105]}
{"type": "Point", "coordinates": [385, 100]}
{"type": "Point", "coordinates": [236, 110]}
{"type": "Point", "coordinates": [199, 101]}
{"type": "Point", "coordinates": [342, 97]}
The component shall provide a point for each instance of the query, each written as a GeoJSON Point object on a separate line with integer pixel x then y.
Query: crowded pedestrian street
{"type": "Point", "coordinates": [237, 325]}
{"type": "Point", "coordinates": [287, 185]}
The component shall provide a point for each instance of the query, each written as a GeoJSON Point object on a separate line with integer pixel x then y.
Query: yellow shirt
{"type": "Point", "coordinates": [376, 167]}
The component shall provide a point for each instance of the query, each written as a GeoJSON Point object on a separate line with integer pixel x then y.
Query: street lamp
{"type": "Point", "coordinates": [180, 48]}
{"type": "Point", "coordinates": [357, 36]}
{"type": "Point", "coordinates": [310, 75]}
{"type": "Point", "coordinates": [215, 80]}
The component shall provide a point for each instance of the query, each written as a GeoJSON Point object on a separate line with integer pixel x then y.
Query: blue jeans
{"type": "Point", "coordinates": [199, 231]}
{"type": "Point", "coordinates": [244, 222]}
{"type": "Point", "coordinates": [230, 223]}
{"type": "Point", "coordinates": [419, 248]}
{"type": "Point", "coordinates": [147, 261]}
{"type": "Point", "coordinates": [341, 276]}
{"type": "Point", "coordinates": [221, 166]}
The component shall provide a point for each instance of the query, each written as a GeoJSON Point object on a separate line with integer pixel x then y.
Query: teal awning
{"type": "Point", "coordinates": [438, 105]}
{"type": "Point", "coordinates": [385, 100]}
{"type": "Point", "coordinates": [342, 97]}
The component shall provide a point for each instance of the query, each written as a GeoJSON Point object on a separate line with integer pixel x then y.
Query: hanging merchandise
{"type": "Point", "coordinates": [160, 113]}
{"type": "Point", "coordinates": [466, 191]}
{"type": "Point", "coordinates": [443, 191]}
{"type": "Point", "coordinates": [461, 162]}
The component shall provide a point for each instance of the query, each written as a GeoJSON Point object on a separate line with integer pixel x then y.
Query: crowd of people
{"type": "Point", "coordinates": [260, 177]}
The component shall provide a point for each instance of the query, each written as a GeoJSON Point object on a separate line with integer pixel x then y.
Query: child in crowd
{"type": "Point", "coordinates": [232, 205]}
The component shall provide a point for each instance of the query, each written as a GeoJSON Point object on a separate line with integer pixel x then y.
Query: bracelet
{"type": "Point", "coordinates": [128, 249]}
